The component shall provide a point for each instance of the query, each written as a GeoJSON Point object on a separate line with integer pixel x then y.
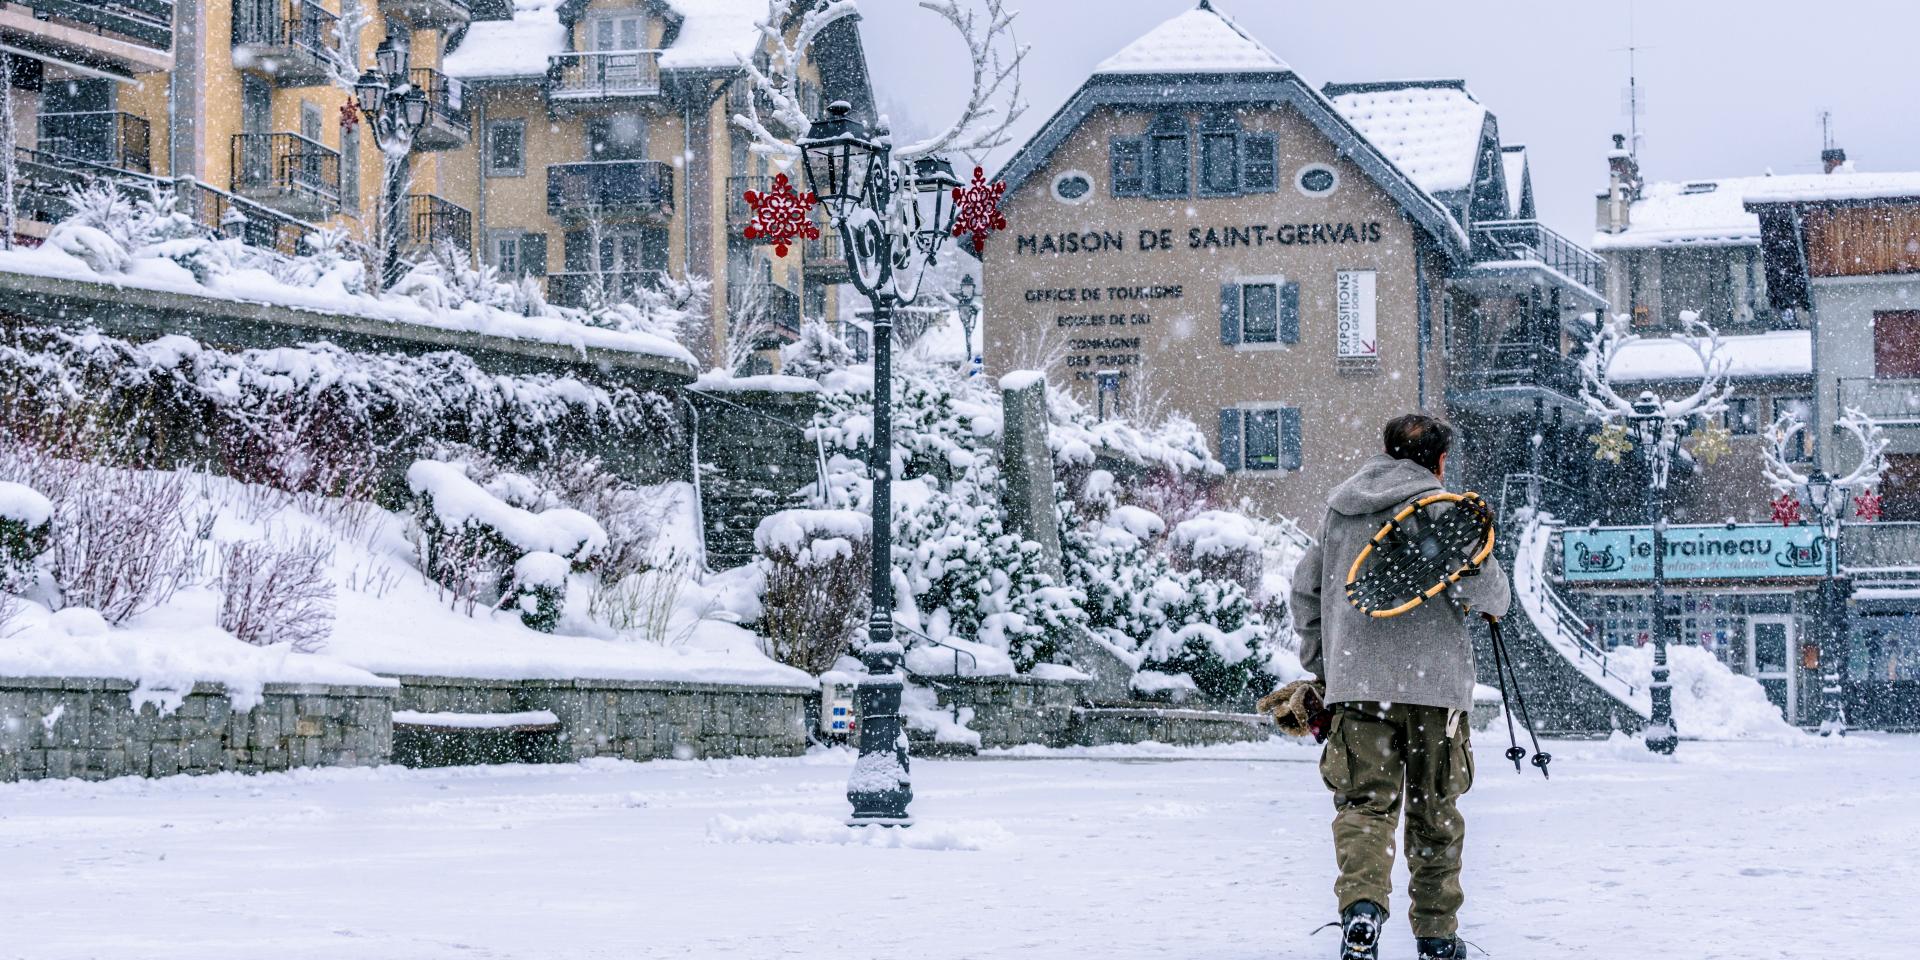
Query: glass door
{"type": "Point", "coordinates": [1770, 648]}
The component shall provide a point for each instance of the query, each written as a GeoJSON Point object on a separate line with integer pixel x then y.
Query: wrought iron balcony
{"type": "Point", "coordinates": [603, 75]}
{"type": "Point", "coordinates": [119, 140]}
{"type": "Point", "coordinates": [1520, 370]}
{"type": "Point", "coordinates": [738, 213]}
{"type": "Point", "coordinates": [825, 258]}
{"type": "Point", "coordinates": [429, 13]}
{"type": "Point", "coordinates": [579, 288]}
{"type": "Point", "coordinates": [431, 219]}
{"type": "Point", "coordinates": [1890, 400]}
{"type": "Point", "coordinates": [765, 304]}
{"type": "Point", "coordinates": [625, 189]}
{"type": "Point", "coordinates": [289, 41]}
{"type": "Point", "coordinates": [1530, 240]}
{"type": "Point", "coordinates": [448, 122]}
{"type": "Point", "coordinates": [287, 172]}
{"type": "Point", "coordinates": [146, 22]}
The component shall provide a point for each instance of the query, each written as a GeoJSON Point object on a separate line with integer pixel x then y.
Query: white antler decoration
{"type": "Point", "coordinates": [996, 58]}
{"type": "Point", "coordinates": [1866, 431]}
{"type": "Point", "coordinates": [1612, 336]}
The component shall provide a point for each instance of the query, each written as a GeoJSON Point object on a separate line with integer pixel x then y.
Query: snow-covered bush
{"type": "Point", "coordinates": [1221, 545]}
{"type": "Point", "coordinates": [470, 540]}
{"type": "Point", "coordinates": [449, 278]}
{"type": "Point", "coordinates": [26, 523]}
{"type": "Point", "coordinates": [540, 589]}
{"type": "Point", "coordinates": [816, 565]}
{"type": "Point", "coordinates": [277, 592]}
{"type": "Point", "coordinates": [816, 353]}
{"type": "Point", "coordinates": [330, 264]}
{"type": "Point", "coordinates": [667, 307]}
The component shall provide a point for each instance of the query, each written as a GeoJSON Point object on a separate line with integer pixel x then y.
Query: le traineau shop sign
{"type": "Point", "coordinates": [1723, 552]}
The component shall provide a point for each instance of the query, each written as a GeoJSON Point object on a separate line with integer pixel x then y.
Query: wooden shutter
{"type": "Point", "coordinates": [1230, 438]}
{"type": "Point", "coordinates": [1290, 438]}
{"type": "Point", "coordinates": [1229, 313]}
{"type": "Point", "coordinates": [1257, 165]}
{"type": "Point", "coordinates": [533, 254]}
{"type": "Point", "coordinates": [1129, 166]}
{"type": "Point", "coordinates": [653, 249]}
{"type": "Point", "coordinates": [576, 251]}
{"type": "Point", "coordinates": [1289, 313]}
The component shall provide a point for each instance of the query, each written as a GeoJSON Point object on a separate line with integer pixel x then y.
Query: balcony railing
{"type": "Point", "coordinates": [119, 140]}
{"type": "Point", "coordinates": [150, 22]}
{"type": "Point", "coordinates": [603, 74]}
{"type": "Point", "coordinates": [1881, 547]}
{"type": "Point", "coordinates": [1521, 364]}
{"type": "Point", "coordinates": [286, 167]}
{"type": "Point", "coordinates": [766, 303]}
{"type": "Point", "coordinates": [578, 288]}
{"type": "Point", "coordinates": [738, 213]}
{"type": "Point", "coordinates": [290, 40]}
{"type": "Point", "coordinates": [1532, 240]}
{"type": "Point", "coordinates": [1890, 400]}
{"type": "Point", "coordinates": [431, 219]}
{"type": "Point", "coordinates": [625, 188]}
{"type": "Point", "coordinates": [825, 259]}
{"type": "Point", "coordinates": [448, 119]}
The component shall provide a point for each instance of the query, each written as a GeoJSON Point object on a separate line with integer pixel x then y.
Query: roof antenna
{"type": "Point", "coordinates": [1634, 104]}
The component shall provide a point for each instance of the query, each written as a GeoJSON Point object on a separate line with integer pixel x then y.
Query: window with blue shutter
{"type": "Point", "coordinates": [533, 254]}
{"type": "Point", "coordinates": [1129, 166]}
{"type": "Point", "coordinates": [1259, 313]}
{"type": "Point", "coordinates": [1219, 155]}
{"type": "Point", "coordinates": [1290, 458]}
{"type": "Point", "coordinates": [1259, 172]}
{"type": "Point", "coordinates": [1230, 438]}
{"type": "Point", "coordinates": [1262, 444]}
{"type": "Point", "coordinates": [1288, 321]}
{"type": "Point", "coordinates": [1229, 313]}
{"type": "Point", "coordinates": [1169, 156]}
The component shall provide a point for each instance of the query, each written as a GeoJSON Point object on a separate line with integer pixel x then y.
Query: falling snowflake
{"type": "Point", "coordinates": [780, 215]}
{"type": "Point", "coordinates": [1786, 510]}
{"type": "Point", "coordinates": [1866, 506]}
{"type": "Point", "coordinates": [1711, 444]}
{"type": "Point", "coordinates": [977, 209]}
{"type": "Point", "coordinates": [1611, 443]}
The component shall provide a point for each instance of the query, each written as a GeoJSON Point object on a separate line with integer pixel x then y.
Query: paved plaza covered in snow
{"type": "Point", "coordinates": [1733, 850]}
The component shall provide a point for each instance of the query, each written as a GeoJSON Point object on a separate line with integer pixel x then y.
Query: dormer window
{"type": "Point", "coordinates": [623, 31]}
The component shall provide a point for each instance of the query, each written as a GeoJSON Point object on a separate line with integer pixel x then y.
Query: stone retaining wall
{"type": "Point", "coordinates": [89, 728]}
{"type": "Point", "coordinates": [634, 720]}
{"type": "Point", "coordinates": [1010, 711]}
{"type": "Point", "coordinates": [1095, 726]}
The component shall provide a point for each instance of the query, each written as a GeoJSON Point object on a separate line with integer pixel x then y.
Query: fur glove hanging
{"type": "Point", "coordinates": [1299, 709]}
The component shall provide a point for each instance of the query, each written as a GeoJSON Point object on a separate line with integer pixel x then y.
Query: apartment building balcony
{"type": "Point", "coordinates": [119, 37]}
{"type": "Point", "coordinates": [432, 219]}
{"type": "Point", "coordinates": [1893, 401]}
{"type": "Point", "coordinates": [106, 137]}
{"type": "Point", "coordinates": [1508, 253]}
{"type": "Point", "coordinates": [448, 122]}
{"type": "Point", "coordinates": [617, 189]}
{"type": "Point", "coordinates": [1886, 548]}
{"type": "Point", "coordinates": [440, 14]}
{"type": "Point", "coordinates": [773, 308]}
{"type": "Point", "coordinates": [287, 172]}
{"type": "Point", "coordinates": [738, 213]}
{"type": "Point", "coordinates": [590, 79]}
{"type": "Point", "coordinates": [825, 259]}
{"type": "Point", "coordinates": [1507, 378]}
{"type": "Point", "coordinates": [288, 41]}
{"type": "Point", "coordinates": [579, 288]}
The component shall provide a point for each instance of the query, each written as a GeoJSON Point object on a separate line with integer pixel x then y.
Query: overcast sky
{"type": "Point", "coordinates": [1733, 87]}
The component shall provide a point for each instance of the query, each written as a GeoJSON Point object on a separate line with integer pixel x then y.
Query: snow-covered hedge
{"type": "Point", "coordinates": [25, 525]}
{"type": "Point", "coordinates": [815, 565]}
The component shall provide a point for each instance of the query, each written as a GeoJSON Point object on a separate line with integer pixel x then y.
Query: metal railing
{"type": "Point", "coordinates": [431, 219]}
{"type": "Point", "coordinates": [737, 210]}
{"type": "Point", "coordinates": [580, 288]}
{"type": "Point", "coordinates": [825, 255]}
{"type": "Point", "coordinates": [285, 164]}
{"type": "Point", "coordinates": [764, 301]}
{"type": "Point", "coordinates": [1532, 240]}
{"type": "Point", "coordinates": [1570, 625]}
{"type": "Point", "coordinates": [149, 22]}
{"type": "Point", "coordinates": [1522, 364]}
{"type": "Point", "coordinates": [1889, 400]}
{"type": "Point", "coordinates": [623, 187]}
{"type": "Point", "coordinates": [297, 23]}
{"type": "Point", "coordinates": [119, 140]}
{"type": "Point", "coordinates": [1885, 547]}
{"type": "Point", "coordinates": [603, 73]}
{"type": "Point", "coordinates": [446, 97]}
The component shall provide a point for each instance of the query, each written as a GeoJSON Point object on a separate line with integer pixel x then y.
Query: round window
{"type": "Point", "coordinates": [1072, 187]}
{"type": "Point", "coordinates": [1316, 180]}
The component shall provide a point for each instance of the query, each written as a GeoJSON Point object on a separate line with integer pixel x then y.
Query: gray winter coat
{"type": "Point", "coordinates": [1423, 656]}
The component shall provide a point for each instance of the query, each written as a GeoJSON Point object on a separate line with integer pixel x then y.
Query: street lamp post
{"type": "Point", "coordinates": [853, 177]}
{"type": "Point", "coordinates": [396, 110]}
{"type": "Point", "coordinates": [969, 304]}
{"type": "Point", "coordinates": [1650, 423]}
{"type": "Point", "coordinates": [1827, 498]}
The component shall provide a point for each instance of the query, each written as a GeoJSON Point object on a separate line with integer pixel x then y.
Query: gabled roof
{"type": "Point", "coordinates": [1201, 40]}
{"type": "Point", "coordinates": [1513, 164]}
{"type": "Point", "coordinates": [505, 49]}
{"type": "Point", "coordinates": [1203, 79]}
{"type": "Point", "coordinates": [1432, 129]}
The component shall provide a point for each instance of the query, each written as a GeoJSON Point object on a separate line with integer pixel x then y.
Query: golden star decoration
{"type": "Point", "coordinates": [1611, 443]}
{"type": "Point", "coordinates": [1711, 444]}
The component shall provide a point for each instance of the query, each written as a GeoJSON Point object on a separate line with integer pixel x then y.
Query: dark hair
{"type": "Point", "coordinates": [1419, 438]}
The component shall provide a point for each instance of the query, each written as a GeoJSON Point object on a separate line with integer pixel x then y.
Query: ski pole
{"type": "Point", "coordinates": [1540, 757]}
{"type": "Point", "coordinates": [1514, 753]}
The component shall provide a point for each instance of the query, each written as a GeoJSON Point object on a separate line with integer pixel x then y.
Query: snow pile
{"type": "Point", "coordinates": [515, 47]}
{"type": "Point", "coordinates": [1201, 40]}
{"type": "Point", "coordinates": [24, 505]}
{"type": "Point", "coordinates": [475, 721]}
{"type": "Point", "coordinates": [459, 502]}
{"type": "Point", "coordinates": [813, 829]}
{"type": "Point", "coordinates": [1710, 701]}
{"type": "Point", "coordinates": [921, 709]}
{"type": "Point", "coordinates": [1218, 533]}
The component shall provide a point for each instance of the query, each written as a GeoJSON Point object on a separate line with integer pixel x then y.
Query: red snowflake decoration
{"type": "Point", "coordinates": [780, 215]}
{"type": "Point", "coordinates": [349, 115]}
{"type": "Point", "coordinates": [1786, 510]}
{"type": "Point", "coordinates": [976, 209]}
{"type": "Point", "coordinates": [1866, 506]}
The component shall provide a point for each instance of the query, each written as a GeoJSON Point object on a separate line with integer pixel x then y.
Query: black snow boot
{"type": "Point", "coordinates": [1441, 948]}
{"type": "Point", "coordinates": [1360, 930]}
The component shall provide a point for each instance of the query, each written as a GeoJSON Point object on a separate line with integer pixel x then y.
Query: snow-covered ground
{"type": "Point", "coordinates": [1732, 850]}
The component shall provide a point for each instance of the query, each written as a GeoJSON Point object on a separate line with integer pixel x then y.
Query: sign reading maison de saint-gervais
{"type": "Point", "coordinates": [1162, 239]}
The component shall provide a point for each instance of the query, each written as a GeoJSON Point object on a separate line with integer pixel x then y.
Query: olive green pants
{"type": "Point", "coordinates": [1375, 755]}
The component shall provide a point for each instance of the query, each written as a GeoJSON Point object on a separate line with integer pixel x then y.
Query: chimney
{"type": "Point", "coordinates": [1623, 185]}
{"type": "Point", "coordinates": [1833, 158]}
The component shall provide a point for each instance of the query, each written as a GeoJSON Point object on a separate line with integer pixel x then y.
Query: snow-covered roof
{"type": "Point", "coordinates": [1430, 129]}
{"type": "Point", "coordinates": [1782, 353]}
{"type": "Point", "coordinates": [1201, 40]}
{"type": "Point", "coordinates": [715, 34]}
{"type": "Point", "coordinates": [503, 49]}
{"type": "Point", "coordinates": [1513, 163]}
{"type": "Point", "coordinates": [1714, 212]}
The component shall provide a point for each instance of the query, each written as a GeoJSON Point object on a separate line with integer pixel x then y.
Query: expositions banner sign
{"type": "Point", "coordinates": [1721, 552]}
{"type": "Point", "coordinates": [1355, 309]}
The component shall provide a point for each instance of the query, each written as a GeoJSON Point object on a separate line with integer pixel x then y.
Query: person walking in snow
{"type": "Point", "coordinates": [1400, 690]}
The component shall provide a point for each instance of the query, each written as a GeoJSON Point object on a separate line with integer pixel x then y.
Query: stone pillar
{"type": "Point", "coordinates": [1027, 465]}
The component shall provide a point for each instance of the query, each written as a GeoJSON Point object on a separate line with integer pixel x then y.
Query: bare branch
{"type": "Point", "coordinates": [993, 100]}
{"type": "Point", "coordinates": [779, 83]}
